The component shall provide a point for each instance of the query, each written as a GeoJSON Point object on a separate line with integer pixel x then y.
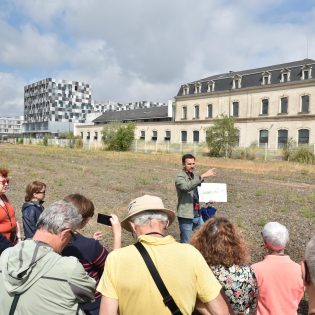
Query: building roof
{"type": "Point", "coordinates": [159, 112]}
{"type": "Point", "coordinates": [251, 77]}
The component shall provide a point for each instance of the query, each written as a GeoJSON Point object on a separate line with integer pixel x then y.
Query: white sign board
{"type": "Point", "coordinates": [212, 192]}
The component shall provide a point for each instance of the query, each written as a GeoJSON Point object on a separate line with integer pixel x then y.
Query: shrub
{"type": "Point", "coordinates": [303, 155]}
{"type": "Point", "coordinates": [118, 137]}
{"type": "Point", "coordinates": [288, 149]}
{"type": "Point", "coordinates": [45, 141]}
{"type": "Point", "coordinates": [222, 137]}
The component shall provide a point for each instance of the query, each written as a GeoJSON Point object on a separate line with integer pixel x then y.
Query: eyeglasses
{"type": "Point", "coordinates": [5, 181]}
{"type": "Point", "coordinates": [41, 192]}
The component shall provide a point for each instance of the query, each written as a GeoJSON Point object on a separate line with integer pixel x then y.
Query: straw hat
{"type": "Point", "coordinates": [146, 203]}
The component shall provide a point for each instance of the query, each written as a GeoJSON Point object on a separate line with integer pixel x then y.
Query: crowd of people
{"type": "Point", "coordinates": [55, 269]}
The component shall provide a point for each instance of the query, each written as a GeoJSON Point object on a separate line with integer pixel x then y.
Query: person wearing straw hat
{"type": "Point", "coordinates": [127, 285]}
{"type": "Point", "coordinates": [280, 284]}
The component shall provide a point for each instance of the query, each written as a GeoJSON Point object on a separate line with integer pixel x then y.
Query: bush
{"type": "Point", "coordinates": [244, 154]}
{"type": "Point", "coordinates": [303, 155]}
{"type": "Point", "coordinates": [288, 150]}
{"type": "Point", "coordinates": [45, 141]}
{"type": "Point", "coordinates": [118, 137]}
{"type": "Point", "coordinates": [222, 137]}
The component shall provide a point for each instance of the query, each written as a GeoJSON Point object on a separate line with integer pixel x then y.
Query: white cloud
{"type": "Point", "coordinates": [11, 96]}
{"type": "Point", "coordinates": [143, 49]}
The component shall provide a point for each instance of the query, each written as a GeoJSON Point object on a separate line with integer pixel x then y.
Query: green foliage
{"type": "Point", "coordinates": [288, 149]}
{"type": "Point", "coordinates": [67, 135]}
{"type": "Point", "coordinates": [222, 136]}
{"type": "Point", "coordinates": [118, 137]}
{"type": "Point", "coordinates": [74, 141]}
{"type": "Point", "coordinates": [303, 155]}
{"type": "Point", "coordinates": [45, 141]}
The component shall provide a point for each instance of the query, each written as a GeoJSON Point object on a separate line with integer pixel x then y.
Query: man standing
{"type": "Point", "coordinates": [280, 284]}
{"type": "Point", "coordinates": [35, 279]}
{"type": "Point", "coordinates": [186, 184]}
{"type": "Point", "coordinates": [127, 284]}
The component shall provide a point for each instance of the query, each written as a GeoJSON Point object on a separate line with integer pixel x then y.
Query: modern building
{"type": "Point", "coordinates": [52, 106]}
{"type": "Point", "coordinates": [11, 127]}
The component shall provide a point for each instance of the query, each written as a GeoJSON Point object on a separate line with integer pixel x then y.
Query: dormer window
{"type": "Point", "coordinates": [266, 78]}
{"type": "Point", "coordinates": [210, 85]}
{"type": "Point", "coordinates": [237, 82]}
{"type": "Point", "coordinates": [306, 72]}
{"type": "Point", "coordinates": [285, 75]}
{"type": "Point", "coordinates": [186, 89]}
{"type": "Point", "coordinates": [197, 88]}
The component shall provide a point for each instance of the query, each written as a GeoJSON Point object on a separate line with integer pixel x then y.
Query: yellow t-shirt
{"type": "Point", "coordinates": [184, 271]}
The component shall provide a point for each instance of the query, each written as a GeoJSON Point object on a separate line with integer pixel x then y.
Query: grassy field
{"type": "Point", "coordinates": [258, 192]}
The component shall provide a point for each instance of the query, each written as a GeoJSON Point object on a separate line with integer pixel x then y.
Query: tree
{"type": "Point", "coordinates": [222, 136]}
{"type": "Point", "coordinates": [118, 137]}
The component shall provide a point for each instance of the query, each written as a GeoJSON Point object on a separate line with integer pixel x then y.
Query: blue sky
{"type": "Point", "coordinates": [144, 50]}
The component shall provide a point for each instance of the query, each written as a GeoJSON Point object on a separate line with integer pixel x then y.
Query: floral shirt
{"type": "Point", "coordinates": [240, 286]}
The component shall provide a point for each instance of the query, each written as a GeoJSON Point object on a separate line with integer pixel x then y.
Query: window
{"type": "Point", "coordinates": [209, 111]}
{"type": "Point", "coordinates": [235, 109]}
{"type": "Point", "coordinates": [184, 136]}
{"type": "Point", "coordinates": [236, 83]}
{"type": "Point", "coordinates": [306, 72]}
{"type": "Point", "coordinates": [264, 106]}
{"type": "Point", "coordinates": [196, 112]}
{"type": "Point", "coordinates": [303, 136]}
{"type": "Point", "coordinates": [197, 88]}
{"type": "Point", "coordinates": [186, 89]}
{"type": "Point", "coordinates": [96, 135]}
{"type": "Point", "coordinates": [154, 135]}
{"type": "Point", "coordinates": [142, 135]}
{"type": "Point", "coordinates": [282, 138]}
{"type": "Point", "coordinates": [210, 86]}
{"type": "Point", "coordinates": [184, 113]}
{"type": "Point", "coordinates": [266, 78]}
{"type": "Point", "coordinates": [196, 136]}
{"type": "Point", "coordinates": [237, 142]}
{"type": "Point", "coordinates": [285, 75]}
{"type": "Point", "coordinates": [305, 101]}
{"type": "Point", "coordinates": [263, 137]}
{"type": "Point", "coordinates": [167, 135]}
{"type": "Point", "coordinates": [81, 134]}
{"type": "Point", "coordinates": [283, 105]}
{"type": "Point", "coordinates": [88, 136]}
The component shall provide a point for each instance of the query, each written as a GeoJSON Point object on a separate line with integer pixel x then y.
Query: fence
{"type": "Point", "coordinates": [252, 152]}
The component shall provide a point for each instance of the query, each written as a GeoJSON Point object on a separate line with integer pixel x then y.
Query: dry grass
{"type": "Point", "coordinates": [258, 192]}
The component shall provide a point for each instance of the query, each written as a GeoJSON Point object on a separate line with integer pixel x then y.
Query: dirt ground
{"type": "Point", "coordinates": [258, 192]}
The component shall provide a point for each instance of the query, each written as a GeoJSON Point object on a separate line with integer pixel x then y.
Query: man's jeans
{"type": "Point", "coordinates": [186, 226]}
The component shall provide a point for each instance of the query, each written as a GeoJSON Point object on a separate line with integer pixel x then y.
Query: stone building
{"type": "Point", "coordinates": [270, 105]}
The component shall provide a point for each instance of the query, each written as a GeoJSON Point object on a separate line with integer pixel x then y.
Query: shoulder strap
{"type": "Point", "coordinates": [14, 304]}
{"type": "Point", "coordinates": [167, 298]}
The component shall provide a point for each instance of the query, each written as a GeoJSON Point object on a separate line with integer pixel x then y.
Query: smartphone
{"type": "Point", "coordinates": [103, 219]}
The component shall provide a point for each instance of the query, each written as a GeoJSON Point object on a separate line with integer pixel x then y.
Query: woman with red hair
{"type": "Point", "coordinates": [8, 224]}
{"type": "Point", "coordinates": [226, 253]}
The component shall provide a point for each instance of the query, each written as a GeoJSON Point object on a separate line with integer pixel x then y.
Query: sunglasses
{"type": "Point", "coordinates": [41, 192]}
{"type": "Point", "coordinates": [5, 181]}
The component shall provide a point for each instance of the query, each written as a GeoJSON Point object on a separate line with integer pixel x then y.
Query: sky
{"type": "Point", "coordinates": [134, 50]}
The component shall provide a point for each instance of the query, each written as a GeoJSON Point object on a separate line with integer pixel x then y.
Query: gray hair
{"type": "Point", "coordinates": [275, 235]}
{"type": "Point", "coordinates": [59, 216]}
{"type": "Point", "coordinates": [310, 258]}
{"type": "Point", "coordinates": [144, 218]}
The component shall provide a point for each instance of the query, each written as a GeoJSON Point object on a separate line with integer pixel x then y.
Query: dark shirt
{"type": "Point", "coordinates": [92, 256]}
{"type": "Point", "coordinates": [31, 211]}
{"type": "Point", "coordinates": [4, 243]}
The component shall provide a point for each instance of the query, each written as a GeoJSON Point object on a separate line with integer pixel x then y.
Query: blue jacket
{"type": "Point", "coordinates": [31, 210]}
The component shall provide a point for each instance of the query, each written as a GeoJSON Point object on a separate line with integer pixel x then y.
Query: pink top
{"type": "Point", "coordinates": [280, 285]}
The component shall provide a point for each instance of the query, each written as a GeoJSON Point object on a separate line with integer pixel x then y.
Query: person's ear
{"type": "Point", "coordinates": [133, 226]}
{"type": "Point", "coordinates": [167, 225]}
